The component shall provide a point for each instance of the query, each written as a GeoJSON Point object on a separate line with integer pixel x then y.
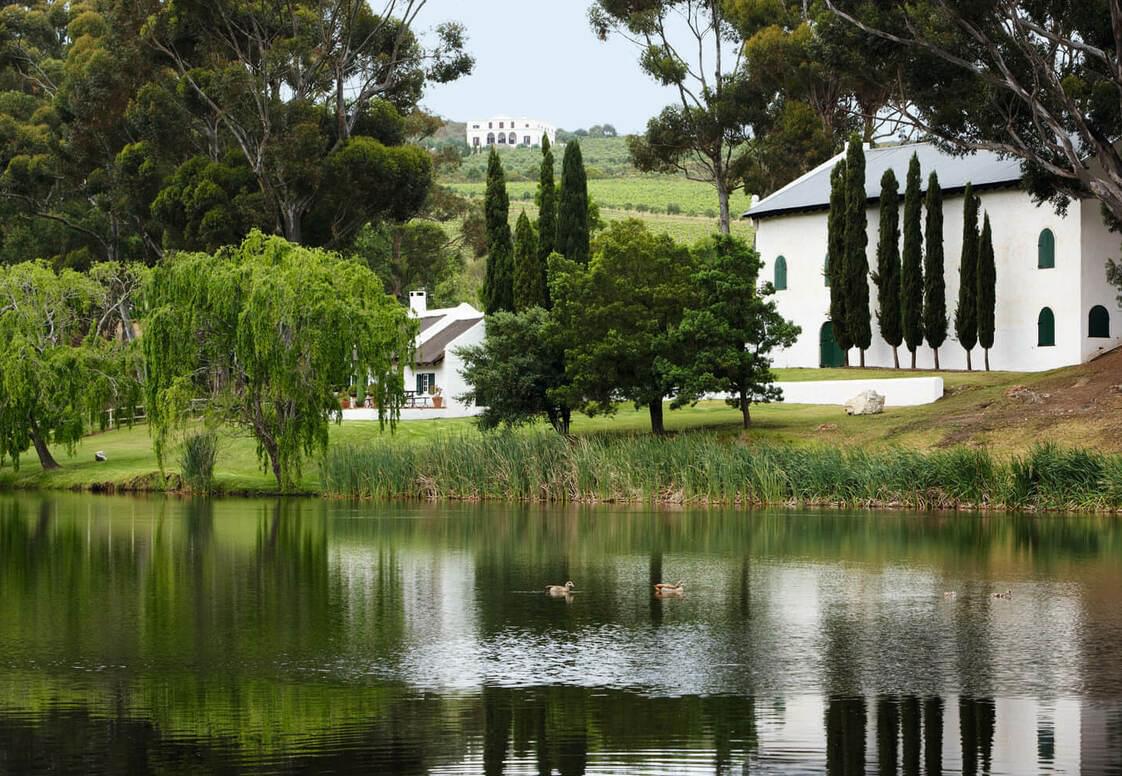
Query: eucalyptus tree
{"type": "Point", "coordinates": [58, 369]}
{"type": "Point", "coordinates": [266, 333]}
{"type": "Point", "coordinates": [702, 134]}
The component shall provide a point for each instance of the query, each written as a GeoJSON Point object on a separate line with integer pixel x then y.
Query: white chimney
{"type": "Point", "coordinates": [418, 303]}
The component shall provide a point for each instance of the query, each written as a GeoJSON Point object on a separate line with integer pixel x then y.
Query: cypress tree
{"type": "Point", "coordinates": [911, 276]}
{"type": "Point", "coordinates": [572, 210]}
{"type": "Point", "coordinates": [498, 284]}
{"type": "Point", "coordinates": [935, 284]}
{"type": "Point", "coordinates": [835, 269]}
{"type": "Point", "coordinates": [547, 215]}
{"type": "Point", "coordinates": [888, 264]}
{"type": "Point", "coordinates": [966, 316]}
{"type": "Point", "coordinates": [987, 289]}
{"type": "Point", "coordinates": [529, 281]}
{"type": "Point", "coordinates": [857, 318]}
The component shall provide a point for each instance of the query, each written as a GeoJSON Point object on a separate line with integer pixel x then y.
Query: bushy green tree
{"type": "Point", "coordinates": [887, 277]}
{"type": "Point", "coordinates": [63, 360]}
{"type": "Point", "coordinates": [911, 284]}
{"type": "Point", "coordinates": [858, 322]}
{"type": "Point", "coordinates": [620, 317]}
{"type": "Point", "coordinates": [410, 256]}
{"type": "Point", "coordinates": [966, 315]}
{"type": "Point", "coordinates": [729, 332]}
{"type": "Point", "coordinates": [934, 282]}
{"type": "Point", "coordinates": [529, 279]}
{"type": "Point", "coordinates": [516, 374]}
{"type": "Point", "coordinates": [498, 285]}
{"type": "Point", "coordinates": [835, 258]}
{"type": "Point", "coordinates": [573, 228]}
{"type": "Point", "coordinates": [987, 289]}
{"type": "Point", "coordinates": [266, 333]}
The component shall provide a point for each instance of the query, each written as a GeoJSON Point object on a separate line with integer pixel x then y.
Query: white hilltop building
{"type": "Point", "coordinates": [1054, 305]}
{"type": "Point", "coordinates": [508, 132]}
{"type": "Point", "coordinates": [434, 378]}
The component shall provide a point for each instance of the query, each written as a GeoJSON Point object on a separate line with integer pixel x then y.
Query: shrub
{"type": "Point", "coordinates": [673, 208]}
{"type": "Point", "coordinates": [642, 208]}
{"type": "Point", "coordinates": [197, 459]}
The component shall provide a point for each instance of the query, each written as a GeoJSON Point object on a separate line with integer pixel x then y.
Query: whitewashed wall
{"type": "Point", "coordinates": [1022, 289]}
{"type": "Point", "coordinates": [1099, 244]}
{"type": "Point", "coordinates": [478, 129]}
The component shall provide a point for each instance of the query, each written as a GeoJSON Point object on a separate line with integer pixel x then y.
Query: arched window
{"type": "Point", "coordinates": [1098, 322]}
{"type": "Point", "coordinates": [502, 138]}
{"type": "Point", "coordinates": [1046, 250]}
{"type": "Point", "coordinates": [826, 270]}
{"type": "Point", "coordinates": [490, 138]}
{"type": "Point", "coordinates": [513, 139]}
{"type": "Point", "coordinates": [1046, 328]}
{"type": "Point", "coordinates": [780, 274]}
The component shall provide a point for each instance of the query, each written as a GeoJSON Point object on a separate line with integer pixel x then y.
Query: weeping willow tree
{"type": "Point", "coordinates": [63, 360]}
{"type": "Point", "coordinates": [267, 333]}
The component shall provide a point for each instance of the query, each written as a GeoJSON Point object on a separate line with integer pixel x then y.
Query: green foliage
{"type": "Point", "coordinates": [517, 373]}
{"type": "Point", "coordinates": [887, 278]}
{"type": "Point", "coordinates": [987, 288]}
{"type": "Point", "coordinates": [966, 315]}
{"type": "Point", "coordinates": [58, 373]}
{"type": "Point", "coordinates": [196, 460]}
{"type": "Point", "coordinates": [912, 279]}
{"type": "Point", "coordinates": [730, 331]}
{"type": "Point", "coordinates": [836, 257]}
{"type": "Point", "coordinates": [857, 318]}
{"type": "Point", "coordinates": [573, 229]}
{"type": "Point", "coordinates": [620, 316]}
{"type": "Point", "coordinates": [266, 334]}
{"type": "Point", "coordinates": [547, 207]}
{"type": "Point", "coordinates": [529, 272]}
{"type": "Point", "coordinates": [498, 286]}
{"type": "Point", "coordinates": [410, 256]}
{"type": "Point", "coordinates": [934, 288]}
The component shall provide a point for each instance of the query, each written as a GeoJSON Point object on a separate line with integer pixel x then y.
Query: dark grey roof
{"type": "Point", "coordinates": [984, 169]}
{"type": "Point", "coordinates": [428, 321]}
{"type": "Point", "coordinates": [432, 351]}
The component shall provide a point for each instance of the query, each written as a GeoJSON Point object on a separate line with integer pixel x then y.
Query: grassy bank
{"type": "Point", "coordinates": [705, 469]}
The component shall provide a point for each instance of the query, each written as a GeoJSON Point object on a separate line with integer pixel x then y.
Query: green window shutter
{"type": "Point", "coordinates": [826, 270]}
{"type": "Point", "coordinates": [1098, 323]}
{"type": "Point", "coordinates": [1046, 250]}
{"type": "Point", "coordinates": [1046, 328]}
{"type": "Point", "coordinates": [780, 274]}
{"type": "Point", "coordinates": [420, 383]}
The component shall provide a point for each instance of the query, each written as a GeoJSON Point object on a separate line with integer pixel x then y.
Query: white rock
{"type": "Point", "coordinates": [99, 456]}
{"type": "Point", "coordinates": [865, 403]}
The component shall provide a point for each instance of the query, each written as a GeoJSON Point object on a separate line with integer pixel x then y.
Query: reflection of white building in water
{"type": "Point", "coordinates": [508, 131]}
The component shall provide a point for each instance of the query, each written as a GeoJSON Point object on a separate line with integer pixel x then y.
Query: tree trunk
{"type": "Point", "coordinates": [46, 460]}
{"type": "Point", "coordinates": [969, 365]}
{"type": "Point", "coordinates": [745, 410]}
{"type": "Point", "coordinates": [862, 357]}
{"type": "Point", "coordinates": [723, 200]}
{"type": "Point", "coordinates": [936, 358]}
{"type": "Point", "coordinates": [913, 359]}
{"type": "Point", "coordinates": [655, 408]}
{"type": "Point", "coordinates": [845, 363]}
{"type": "Point", "coordinates": [560, 418]}
{"type": "Point", "coordinates": [292, 218]}
{"type": "Point", "coordinates": [895, 357]}
{"type": "Point", "coordinates": [274, 461]}
{"type": "Point", "coordinates": [987, 359]}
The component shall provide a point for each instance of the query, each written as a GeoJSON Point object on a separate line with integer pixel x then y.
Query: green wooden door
{"type": "Point", "coordinates": [829, 354]}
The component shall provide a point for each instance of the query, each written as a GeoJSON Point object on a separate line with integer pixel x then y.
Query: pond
{"type": "Point", "coordinates": [152, 635]}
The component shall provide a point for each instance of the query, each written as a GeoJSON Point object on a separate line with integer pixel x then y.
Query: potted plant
{"type": "Point", "coordinates": [437, 398]}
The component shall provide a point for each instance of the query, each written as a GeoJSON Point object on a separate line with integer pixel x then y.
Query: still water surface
{"type": "Point", "coordinates": [165, 636]}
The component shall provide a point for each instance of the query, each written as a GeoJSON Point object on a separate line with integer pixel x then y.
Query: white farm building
{"type": "Point", "coordinates": [1054, 305]}
{"type": "Point", "coordinates": [508, 131]}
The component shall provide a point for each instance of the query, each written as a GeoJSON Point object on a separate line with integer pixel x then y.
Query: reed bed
{"type": "Point", "coordinates": [707, 469]}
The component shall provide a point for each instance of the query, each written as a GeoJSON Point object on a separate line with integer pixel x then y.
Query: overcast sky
{"type": "Point", "coordinates": [539, 58]}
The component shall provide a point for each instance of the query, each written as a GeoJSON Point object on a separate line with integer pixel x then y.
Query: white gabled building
{"type": "Point", "coordinates": [1054, 305]}
{"type": "Point", "coordinates": [508, 132]}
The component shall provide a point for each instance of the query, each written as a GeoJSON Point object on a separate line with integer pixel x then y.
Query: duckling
{"type": "Point", "coordinates": [1007, 594]}
{"type": "Point", "coordinates": [950, 594]}
{"type": "Point", "coordinates": [662, 588]}
{"type": "Point", "coordinates": [560, 590]}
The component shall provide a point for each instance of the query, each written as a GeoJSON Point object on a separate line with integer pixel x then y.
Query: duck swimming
{"type": "Point", "coordinates": [1006, 594]}
{"type": "Point", "coordinates": [662, 588]}
{"type": "Point", "coordinates": [560, 590]}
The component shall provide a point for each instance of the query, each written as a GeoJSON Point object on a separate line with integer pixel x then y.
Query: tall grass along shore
{"type": "Point", "coordinates": [704, 469]}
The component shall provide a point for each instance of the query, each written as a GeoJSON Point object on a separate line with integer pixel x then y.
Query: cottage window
{"type": "Point", "coordinates": [1046, 328]}
{"type": "Point", "coordinates": [780, 274]}
{"type": "Point", "coordinates": [426, 381]}
{"type": "Point", "coordinates": [1046, 250]}
{"type": "Point", "coordinates": [1098, 323]}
